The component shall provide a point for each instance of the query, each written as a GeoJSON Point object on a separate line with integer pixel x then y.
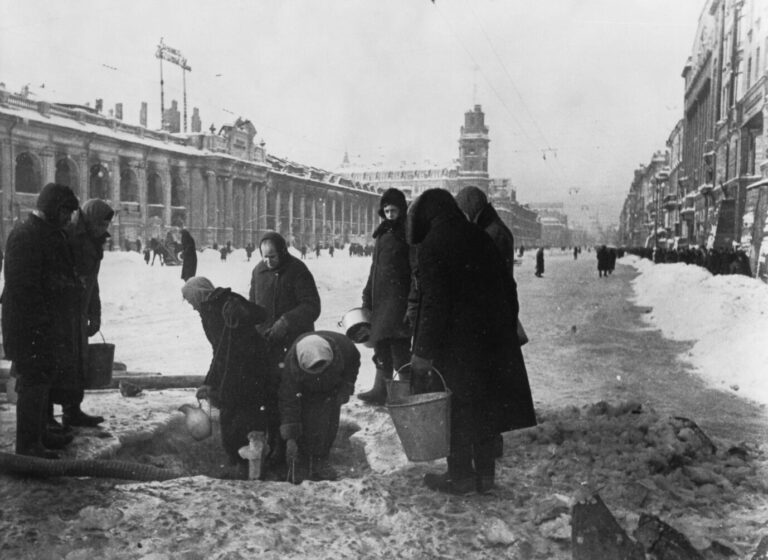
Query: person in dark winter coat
{"type": "Point", "coordinates": [540, 262]}
{"type": "Point", "coordinates": [87, 235]}
{"type": "Point", "coordinates": [319, 376]}
{"type": "Point", "coordinates": [475, 206]}
{"type": "Point", "coordinates": [386, 294]}
{"type": "Point", "coordinates": [40, 313]}
{"type": "Point", "coordinates": [241, 382]}
{"type": "Point", "coordinates": [188, 255]}
{"type": "Point", "coordinates": [285, 288]}
{"type": "Point", "coordinates": [603, 260]}
{"type": "Point", "coordinates": [466, 317]}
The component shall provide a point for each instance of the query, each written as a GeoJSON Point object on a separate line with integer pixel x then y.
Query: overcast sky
{"type": "Point", "coordinates": [593, 86]}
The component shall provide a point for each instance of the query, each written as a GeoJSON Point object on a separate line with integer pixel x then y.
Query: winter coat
{"type": "Point", "coordinates": [242, 379]}
{"type": "Point", "coordinates": [502, 237]}
{"type": "Point", "coordinates": [188, 256]}
{"type": "Point", "coordinates": [389, 281]}
{"type": "Point", "coordinates": [465, 319]}
{"type": "Point", "coordinates": [41, 301]}
{"type": "Point", "coordinates": [296, 385]}
{"type": "Point", "coordinates": [288, 292]}
{"type": "Point", "coordinates": [540, 261]}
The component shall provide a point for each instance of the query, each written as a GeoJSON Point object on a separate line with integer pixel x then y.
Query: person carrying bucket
{"type": "Point", "coordinates": [319, 376]}
{"type": "Point", "coordinates": [87, 235]}
{"type": "Point", "coordinates": [464, 320]}
{"type": "Point", "coordinates": [386, 295]}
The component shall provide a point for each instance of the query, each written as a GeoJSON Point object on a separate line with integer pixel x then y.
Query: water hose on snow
{"type": "Point", "coordinates": [10, 463]}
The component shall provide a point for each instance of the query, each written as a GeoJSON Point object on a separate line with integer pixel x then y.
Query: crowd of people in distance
{"type": "Point", "coordinates": [717, 260]}
{"type": "Point", "coordinates": [441, 295]}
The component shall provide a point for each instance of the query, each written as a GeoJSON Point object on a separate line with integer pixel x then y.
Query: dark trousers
{"type": "Point", "coordinates": [391, 354]}
{"type": "Point", "coordinates": [320, 414]}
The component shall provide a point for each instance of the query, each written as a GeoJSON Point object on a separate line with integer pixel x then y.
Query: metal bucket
{"type": "Point", "coordinates": [98, 371]}
{"type": "Point", "coordinates": [398, 389]}
{"type": "Point", "coordinates": [423, 424]}
{"type": "Point", "coordinates": [357, 326]}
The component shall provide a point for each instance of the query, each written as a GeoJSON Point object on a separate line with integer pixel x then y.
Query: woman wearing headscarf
{"type": "Point", "coordinates": [386, 294]}
{"type": "Point", "coordinates": [241, 381]}
{"type": "Point", "coordinates": [188, 255]}
{"type": "Point", "coordinates": [465, 319]}
{"type": "Point", "coordinates": [475, 206]}
{"type": "Point", "coordinates": [319, 375]}
{"type": "Point", "coordinates": [86, 235]}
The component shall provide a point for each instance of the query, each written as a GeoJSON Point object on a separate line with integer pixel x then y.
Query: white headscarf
{"type": "Point", "coordinates": [196, 290]}
{"type": "Point", "coordinates": [313, 353]}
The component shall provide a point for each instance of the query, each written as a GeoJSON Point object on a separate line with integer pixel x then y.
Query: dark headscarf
{"type": "Point", "coordinates": [434, 205]}
{"type": "Point", "coordinates": [396, 198]}
{"type": "Point", "coordinates": [52, 197]}
{"type": "Point", "coordinates": [95, 210]}
{"type": "Point", "coordinates": [472, 201]}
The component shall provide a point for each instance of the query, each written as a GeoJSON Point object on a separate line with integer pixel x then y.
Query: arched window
{"type": "Point", "coordinates": [178, 194]}
{"type": "Point", "coordinates": [27, 174]}
{"type": "Point", "coordinates": [65, 173]}
{"type": "Point", "coordinates": [129, 189]}
{"type": "Point", "coordinates": [154, 189]}
{"type": "Point", "coordinates": [98, 184]}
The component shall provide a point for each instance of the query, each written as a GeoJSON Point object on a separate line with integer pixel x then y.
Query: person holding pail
{"type": "Point", "coordinates": [386, 295]}
{"type": "Point", "coordinates": [464, 320]}
{"type": "Point", "coordinates": [87, 235]}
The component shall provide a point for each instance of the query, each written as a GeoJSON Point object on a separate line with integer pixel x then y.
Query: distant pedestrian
{"type": "Point", "coordinates": [317, 250]}
{"type": "Point", "coordinates": [540, 262]}
{"type": "Point", "coordinates": [249, 248]}
{"type": "Point", "coordinates": [575, 253]}
{"type": "Point", "coordinates": [223, 252]}
{"type": "Point", "coordinates": [147, 253]}
{"type": "Point", "coordinates": [188, 255]}
{"type": "Point", "coordinates": [303, 251]}
{"type": "Point", "coordinates": [330, 250]}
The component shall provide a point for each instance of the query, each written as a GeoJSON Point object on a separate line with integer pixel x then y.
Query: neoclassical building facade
{"type": "Point", "coordinates": [220, 186]}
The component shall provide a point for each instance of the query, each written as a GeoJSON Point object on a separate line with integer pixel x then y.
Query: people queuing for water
{"type": "Point", "coordinates": [385, 295]}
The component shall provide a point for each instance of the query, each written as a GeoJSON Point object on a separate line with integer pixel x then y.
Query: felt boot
{"type": "Point", "coordinates": [31, 412]}
{"type": "Point", "coordinates": [73, 416]}
{"type": "Point", "coordinates": [378, 394]}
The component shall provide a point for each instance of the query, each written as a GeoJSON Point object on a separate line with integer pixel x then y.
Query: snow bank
{"type": "Point", "coordinates": [724, 315]}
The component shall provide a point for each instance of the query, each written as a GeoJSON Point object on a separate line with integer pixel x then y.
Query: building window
{"type": "Point", "coordinates": [27, 174]}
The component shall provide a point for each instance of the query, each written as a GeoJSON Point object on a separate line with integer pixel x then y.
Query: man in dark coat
{"type": "Point", "coordinates": [40, 312]}
{"type": "Point", "coordinates": [285, 288]}
{"type": "Point", "coordinates": [540, 262]}
{"type": "Point", "coordinates": [465, 320]}
{"type": "Point", "coordinates": [475, 206]}
{"type": "Point", "coordinates": [240, 380]}
{"type": "Point", "coordinates": [386, 294]}
{"type": "Point", "coordinates": [86, 235]}
{"type": "Point", "coordinates": [319, 376]}
{"type": "Point", "coordinates": [188, 255]}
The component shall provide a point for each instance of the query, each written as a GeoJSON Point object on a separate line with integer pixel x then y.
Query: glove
{"type": "Point", "coordinates": [278, 331]}
{"type": "Point", "coordinates": [203, 392]}
{"type": "Point", "coordinates": [94, 326]}
{"type": "Point", "coordinates": [233, 313]}
{"type": "Point", "coordinates": [420, 366]}
{"type": "Point", "coordinates": [291, 450]}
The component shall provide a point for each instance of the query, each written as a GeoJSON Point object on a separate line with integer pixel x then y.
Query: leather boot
{"type": "Point", "coordinates": [73, 416]}
{"type": "Point", "coordinates": [53, 440]}
{"type": "Point", "coordinates": [378, 394]}
{"type": "Point", "coordinates": [31, 412]}
{"type": "Point", "coordinates": [53, 425]}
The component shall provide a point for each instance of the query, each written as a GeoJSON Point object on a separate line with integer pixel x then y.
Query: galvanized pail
{"type": "Point", "coordinates": [98, 371]}
{"type": "Point", "coordinates": [423, 424]}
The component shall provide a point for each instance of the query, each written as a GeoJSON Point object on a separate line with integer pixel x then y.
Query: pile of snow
{"type": "Point", "coordinates": [726, 316]}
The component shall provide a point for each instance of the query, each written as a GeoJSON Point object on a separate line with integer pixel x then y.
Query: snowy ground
{"type": "Point", "coordinates": [639, 460]}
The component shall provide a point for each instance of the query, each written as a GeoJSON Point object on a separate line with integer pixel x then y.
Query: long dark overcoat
{"type": "Point", "coordinates": [465, 318]}
{"type": "Point", "coordinates": [188, 256]}
{"type": "Point", "coordinates": [243, 380]}
{"type": "Point", "coordinates": [489, 221]}
{"type": "Point", "coordinates": [41, 299]}
{"type": "Point", "coordinates": [389, 281]}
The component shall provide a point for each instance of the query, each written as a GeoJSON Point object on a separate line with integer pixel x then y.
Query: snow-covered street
{"type": "Point", "coordinates": [592, 339]}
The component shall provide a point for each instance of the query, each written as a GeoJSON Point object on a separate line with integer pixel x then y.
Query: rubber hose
{"type": "Point", "coordinates": [10, 463]}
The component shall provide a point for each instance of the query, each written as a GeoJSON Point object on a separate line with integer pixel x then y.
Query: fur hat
{"type": "Point", "coordinates": [53, 197]}
{"type": "Point", "coordinates": [313, 353]}
{"type": "Point", "coordinates": [393, 197]}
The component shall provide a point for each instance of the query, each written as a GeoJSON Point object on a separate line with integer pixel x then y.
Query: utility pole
{"type": "Point", "coordinates": [174, 56]}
